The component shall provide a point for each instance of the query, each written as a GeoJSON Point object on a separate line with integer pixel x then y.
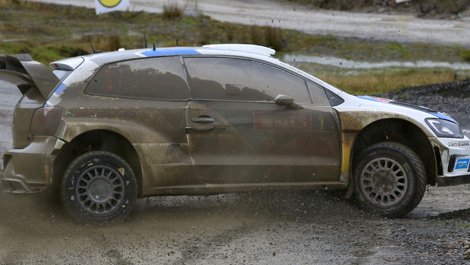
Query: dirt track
{"type": "Point", "coordinates": [261, 228]}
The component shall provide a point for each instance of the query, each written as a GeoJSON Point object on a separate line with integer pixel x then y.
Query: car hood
{"type": "Point", "coordinates": [430, 111]}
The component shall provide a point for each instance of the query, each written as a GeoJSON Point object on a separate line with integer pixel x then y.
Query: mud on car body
{"type": "Point", "coordinates": [109, 128]}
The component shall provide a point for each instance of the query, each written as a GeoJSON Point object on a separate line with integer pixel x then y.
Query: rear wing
{"type": "Point", "coordinates": [22, 71]}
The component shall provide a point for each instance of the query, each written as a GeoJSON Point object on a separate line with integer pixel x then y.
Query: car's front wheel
{"type": "Point", "coordinates": [390, 179]}
{"type": "Point", "coordinates": [98, 187]}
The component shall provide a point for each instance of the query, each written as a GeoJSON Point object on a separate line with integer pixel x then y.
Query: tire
{"type": "Point", "coordinates": [98, 187]}
{"type": "Point", "coordinates": [390, 179]}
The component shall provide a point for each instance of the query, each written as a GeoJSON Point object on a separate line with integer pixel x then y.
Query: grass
{"type": "Point", "coordinates": [51, 32]}
{"type": "Point", "coordinates": [385, 81]}
{"type": "Point", "coordinates": [465, 54]}
{"type": "Point", "coordinates": [172, 11]}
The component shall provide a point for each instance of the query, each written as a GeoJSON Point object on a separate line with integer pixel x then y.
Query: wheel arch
{"type": "Point", "coordinates": [98, 140]}
{"type": "Point", "coordinates": [400, 131]}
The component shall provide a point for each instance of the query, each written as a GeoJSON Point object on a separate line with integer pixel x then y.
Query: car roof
{"type": "Point", "coordinates": [236, 50]}
{"type": "Point", "coordinates": [242, 50]}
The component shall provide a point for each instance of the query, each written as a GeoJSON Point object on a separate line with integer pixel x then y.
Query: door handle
{"type": "Point", "coordinates": [203, 120]}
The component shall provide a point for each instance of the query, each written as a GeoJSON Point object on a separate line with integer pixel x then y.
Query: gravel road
{"type": "Point", "coordinates": [390, 27]}
{"type": "Point", "coordinates": [313, 227]}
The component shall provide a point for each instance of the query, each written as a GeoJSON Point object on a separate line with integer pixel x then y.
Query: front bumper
{"type": "Point", "coordinates": [29, 170]}
{"type": "Point", "coordinates": [453, 158]}
{"type": "Point", "coordinates": [453, 181]}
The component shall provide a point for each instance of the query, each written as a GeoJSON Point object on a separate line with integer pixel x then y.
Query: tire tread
{"type": "Point", "coordinates": [417, 167]}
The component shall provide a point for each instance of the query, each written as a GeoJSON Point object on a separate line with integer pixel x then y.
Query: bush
{"type": "Point", "coordinates": [67, 51]}
{"type": "Point", "coordinates": [273, 38]}
{"type": "Point", "coordinates": [114, 43]}
{"type": "Point", "coordinates": [172, 11]}
{"type": "Point", "coordinates": [465, 54]}
{"type": "Point", "coordinates": [256, 36]}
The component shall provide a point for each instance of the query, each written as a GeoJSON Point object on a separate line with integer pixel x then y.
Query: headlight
{"type": "Point", "coordinates": [445, 129]}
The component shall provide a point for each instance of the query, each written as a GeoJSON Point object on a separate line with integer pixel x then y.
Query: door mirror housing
{"type": "Point", "coordinates": [286, 101]}
{"type": "Point", "coordinates": [283, 100]}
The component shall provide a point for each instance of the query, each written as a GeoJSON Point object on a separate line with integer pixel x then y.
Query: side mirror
{"type": "Point", "coordinates": [286, 101]}
{"type": "Point", "coordinates": [283, 100]}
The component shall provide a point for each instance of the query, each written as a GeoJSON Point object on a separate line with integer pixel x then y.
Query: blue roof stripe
{"type": "Point", "coordinates": [169, 51]}
{"type": "Point", "coordinates": [368, 98]}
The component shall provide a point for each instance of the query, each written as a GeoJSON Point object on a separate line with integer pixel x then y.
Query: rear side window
{"type": "Point", "coordinates": [154, 78]}
{"type": "Point", "coordinates": [239, 79]}
{"type": "Point", "coordinates": [335, 100]}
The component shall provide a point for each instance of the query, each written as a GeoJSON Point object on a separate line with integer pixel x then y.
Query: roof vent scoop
{"type": "Point", "coordinates": [243, 48]}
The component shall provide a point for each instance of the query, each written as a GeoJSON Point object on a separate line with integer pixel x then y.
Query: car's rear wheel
{"type": "Point", "coordinates": [390, 179]}
{"type": "Point", "coordinates": [99, 187]}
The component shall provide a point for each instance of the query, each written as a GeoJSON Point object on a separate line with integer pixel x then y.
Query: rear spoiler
{"type": "Point", "coordinates": [22, 71]}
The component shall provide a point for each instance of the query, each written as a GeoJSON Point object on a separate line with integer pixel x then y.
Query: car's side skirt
{"type": "Point", "coordinates": [242, 187]}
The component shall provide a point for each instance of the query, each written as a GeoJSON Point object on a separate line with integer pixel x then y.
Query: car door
{"type": "Point", "coordinates": [145, 100]}
{"type": "Point", "coordinates": [237, 133]}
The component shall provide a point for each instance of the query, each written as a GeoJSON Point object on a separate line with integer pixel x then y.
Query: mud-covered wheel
{"type": "Point", "coordinates": [390, 179]}
{"type": "Point", "coordinates": [98, 187]}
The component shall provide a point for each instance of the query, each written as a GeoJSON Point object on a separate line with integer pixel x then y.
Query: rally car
{"type": "Point", "coordinates": [106, 129]}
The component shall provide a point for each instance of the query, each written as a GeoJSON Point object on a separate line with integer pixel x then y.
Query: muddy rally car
{"type": "Point", "coordinates": [106, 129]}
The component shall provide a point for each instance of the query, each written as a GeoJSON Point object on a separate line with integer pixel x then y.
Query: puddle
{"type": "Point", "coordinates": [349, 64]}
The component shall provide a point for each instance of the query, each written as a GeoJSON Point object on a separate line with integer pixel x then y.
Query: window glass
{"type": "Point", "coordinates": [239, 79]}
{"type": "Point", "coordinates": [318, 95]}
{"type": "Point", "coordinates": [153, 78]}
{"type": "Point", "coordinates": [334, 99]}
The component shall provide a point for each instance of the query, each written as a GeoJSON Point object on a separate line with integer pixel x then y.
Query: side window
{"type": "Point", "coordinates": [154, 78]}
{"type": "Point", "coordinates": [335, 100]}
{"type": "Point", "coordinates": [239, 79]}
{"type": "Point", "coordinates": [318, 95]}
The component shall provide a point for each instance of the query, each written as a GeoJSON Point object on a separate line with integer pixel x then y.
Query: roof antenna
{"type": "Point", "coordinates": [145, 40]}
{"type": "Point", "coordinates": [176, 42]}
{"type": "Point", "coordinates": [154, 47]}
{"type": "Point", "coordinates": [93, 49]}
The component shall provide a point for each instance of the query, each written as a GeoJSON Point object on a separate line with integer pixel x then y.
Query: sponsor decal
{"type": "Point", "coordinates": [458, 144]}
{"type": "Point", "coordinates": [105, 6]}
{"type": "Point", "coordinates": [109, 3]}
{"type": "Point", "coordinates": [282, 122]}
{"type": "Point", "coordinates": [462, 163]}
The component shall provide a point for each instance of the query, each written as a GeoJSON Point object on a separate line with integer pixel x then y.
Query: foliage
{"type": "Point", "coordinates": [389, 80]}
{"type": "Point", "coordinates": [172, 11]}
{"type": "Point", "coordinates": [465, 54]}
